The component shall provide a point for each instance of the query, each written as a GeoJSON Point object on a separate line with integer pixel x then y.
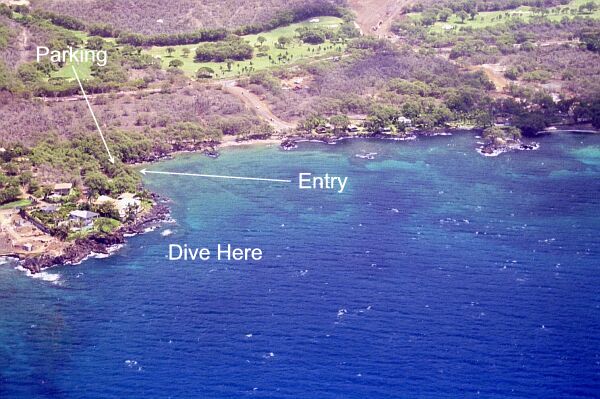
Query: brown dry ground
{"type": "Point", "coordinates": [375, 17]}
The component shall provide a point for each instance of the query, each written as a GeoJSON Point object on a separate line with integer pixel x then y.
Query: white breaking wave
{"type": "Point", "coordinates": [53, 278]}
{"type": "Point", "coordinates": [6, 260]}
{"type": "Point", "coordinates": [166, 233]}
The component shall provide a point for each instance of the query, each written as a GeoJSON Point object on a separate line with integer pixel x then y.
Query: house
{"type": "Point", "coordinates": [502, 120]}
{"type": "Point", "coordinates": [102, 199]}
{"type": "Point", "coordinates": [352, 128]}
{"type": "Point", "coordinates": [49, 209]}
{"type": "Point", "coordinates": [62, 189]}
{"type": "Point", "coordinates": [405, 121]}
{"type": "Point", "coordinates": [83, 218]}
{"type": "Point", "coordinates": [126, 203]}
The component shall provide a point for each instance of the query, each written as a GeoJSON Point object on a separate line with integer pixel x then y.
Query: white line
{"type": "Point", "coordinates": [144, 171]}
{"type": "Point", "coordinates": [110, 157]}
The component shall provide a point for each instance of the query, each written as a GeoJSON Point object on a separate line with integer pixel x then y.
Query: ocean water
{"type": "Point", "coordinates": [438, 273]}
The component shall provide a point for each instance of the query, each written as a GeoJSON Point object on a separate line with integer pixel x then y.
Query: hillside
{"type": "Point", "coordinates": [177, 16]}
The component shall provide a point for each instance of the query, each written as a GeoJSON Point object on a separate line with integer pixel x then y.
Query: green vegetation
{"type": "Point", "coordinates": [445, 21]}
{"type": "Point", "coordinates": [277, 47]}
{"type": "Point", "coordinates": [16, 204]}
{"type": "Point", "coordinates": [232, 49]}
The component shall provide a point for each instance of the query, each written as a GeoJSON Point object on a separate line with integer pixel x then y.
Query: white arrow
{"type": "Point", "coordinates": [144, 171]}
{"type": "Point", "coordinates": [110, 157]}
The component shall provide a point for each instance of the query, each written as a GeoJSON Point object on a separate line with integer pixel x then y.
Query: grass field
{"type": "Point", "coordinates": [293, 52]}
{"type": "Point", "coordinates": [494, 18]}
{"type": "Point", "coordinates": [83, 68]}
{"type": "Point", "coordinates": [16, 204]}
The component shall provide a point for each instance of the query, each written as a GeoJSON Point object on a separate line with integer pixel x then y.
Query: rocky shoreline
{"type": "Point", "coordinates": [99, 243]}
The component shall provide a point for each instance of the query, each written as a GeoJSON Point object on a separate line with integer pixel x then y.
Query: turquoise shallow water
{"type": "Point", "coordinates": [438, 273]}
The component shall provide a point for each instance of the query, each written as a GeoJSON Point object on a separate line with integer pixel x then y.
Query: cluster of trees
{"type": "Point", "coordinates": [179, 16]}
{"type": "Point", "coordinates": [591, 40]}
{"type": "Point", "coordinates": [232, 49]}
{"type": "Point", "coordinates": [312, 9]}
{"type": "Point", "coordinates": [9, 189]}
{"type": "Point", "coordinates": [64, 21]}
{"type": "Point", "coordinates": [313, 35]}
{"type": "Point", "coordinates": [36, 79]}
{"type": "Point", "coordinates": [496, 132]}
{"type": "Point", "coordinates": [192, 132]}
{"type": "Point", "coordinates": [339, 123]}
{"type": "Point", "coordinates": [589, 111]}
{"type": "Point", "coordinates": [474, 6]}
{"type": "Point", "coordinates": [83, 159]}
{"type": "Point", "coordinates": [297, 13]}
{"type": "Point", "coordinates": [177, 39]}
{"type": "Point", "coordinates": [14, 174]}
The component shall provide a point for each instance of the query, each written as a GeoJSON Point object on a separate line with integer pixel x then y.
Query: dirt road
{"type": "Point", "coordinates": [495, 73]}
{"type": "Point", "coordinates": [258, 105]}
{"type": "Point", "coordinates": [375, 17]}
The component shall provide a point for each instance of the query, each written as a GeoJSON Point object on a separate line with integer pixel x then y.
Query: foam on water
{"type": "Point", "coordinates": [47, 276]}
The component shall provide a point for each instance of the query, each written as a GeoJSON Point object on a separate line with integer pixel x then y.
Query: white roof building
{"type": "Point", "coordinates": [83, 215]}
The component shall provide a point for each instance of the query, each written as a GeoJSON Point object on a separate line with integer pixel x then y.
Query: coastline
{"type": "Point", "coordinates": [104, 245]}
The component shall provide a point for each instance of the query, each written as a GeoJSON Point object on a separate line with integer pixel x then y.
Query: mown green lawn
{"type": "Point", "coordinates": [493, 18]}
{"type": "Point", "coordinates": [83, 68]}
{"type": "Point", "coordinates": [293, 52]}
{"type": "Point", "coordinates": [16, 204]}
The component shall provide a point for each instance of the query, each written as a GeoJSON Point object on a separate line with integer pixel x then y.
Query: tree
{"type": "Point", "coordinates": [283, 41]}
{"type": "Point", "coordinates": [340, 123]}
{"type": "Point", "coordinates": [95, 43]}
{"type": "Point", "coordinates": [381, 117]}
{"type": "Point", "coordinates": [312, 35]}
{"type": "Point", "coordinates": [176, 63]}
{"type": "Point", "coordinates": [107, 209]}
{"type": "Point", "coordinates": [229, 63]}
{"type": "Point", "coordinates": [493, 132]}
{"type": "Point", "coordinates": [261, 40]}
{"type": "Point", "coordinates": [532, 123]}
{"type": "Point", "coordinates": [444, 14]}
{"type": "Point", "coordinates": [97, 183]}
{"type": "Point", "coordinates": [463, 15]}
{"type": "Point", "coordinates": [105, 225]}
{"type": "Point", "coordinates": [170, 51]}
{"type": "Point", "coordinates": [429, 17]}
{"type": "Point", "coordinates": [205, 73]}
{"type": "Point", "coordinates": [185, 52]}
{"type": "Point", "coordinates": [9, 189]}
{"type": "Point", "coordinates": [311, 122]}
{"type": "Point", "coordinates": [590, 7]}
{"type": "Point", "coordinates": [591, 39]}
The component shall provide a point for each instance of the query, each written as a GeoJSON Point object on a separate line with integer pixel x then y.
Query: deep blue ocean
{"type": "Point", "coordinates": [438, 273]}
